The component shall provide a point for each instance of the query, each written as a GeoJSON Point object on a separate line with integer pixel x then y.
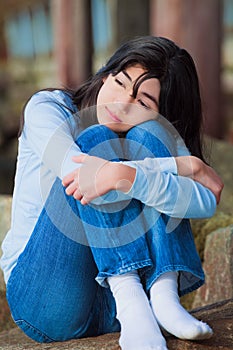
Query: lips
{"type": "Point", "coordinates": [113, 116]}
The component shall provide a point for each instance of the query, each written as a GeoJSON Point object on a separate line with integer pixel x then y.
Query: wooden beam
{"type": "Point", "coordinates": [132, 19]}
{"type": "Point", "coordinates": [73, 41]}
{"type": "Point", "coordinates": [10, 7]}
{"type": "Point", "coordinates": [196, 26]}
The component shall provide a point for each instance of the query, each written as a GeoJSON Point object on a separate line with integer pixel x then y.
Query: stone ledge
{"type": "Point", "coordinates": [218, 315]}
{"type": "Point", "coordinates": [218, 267]}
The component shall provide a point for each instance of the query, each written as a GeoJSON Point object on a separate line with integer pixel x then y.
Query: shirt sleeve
{"type": "Point", "coordinates": [48, 133]}
{"type": "Point", "coordinates": [176, 196]}
{"type": "Point", "coordinates": [164, 165]}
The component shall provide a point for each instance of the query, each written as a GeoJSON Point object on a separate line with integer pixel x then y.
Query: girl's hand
{"type": "Point", "coordinates": [96, 177]}
{"type": "Point", "coordinates": [197, 170]}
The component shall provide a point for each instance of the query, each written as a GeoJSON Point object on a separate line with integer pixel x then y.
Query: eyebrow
{"type": "Point", "coordinates": [152, 98]}
{"type": "Point", "coordinates": [127, 75]}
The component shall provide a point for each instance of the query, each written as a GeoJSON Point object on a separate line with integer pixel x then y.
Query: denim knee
{"type": "Point", "coordinates": [150, 139]}
{"type": "Point", "coordinates": [99, 140]}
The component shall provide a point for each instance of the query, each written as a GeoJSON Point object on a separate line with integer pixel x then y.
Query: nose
{"type": "Point", "coordinates": [124, 101]}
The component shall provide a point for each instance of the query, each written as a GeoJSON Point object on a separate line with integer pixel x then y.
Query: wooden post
{"type": "Point", "coordinates": [132, 19]}
{"type": "Point", "coordinates": [196, 26]}
{"type": "Point", "coordinates": [73, 41]}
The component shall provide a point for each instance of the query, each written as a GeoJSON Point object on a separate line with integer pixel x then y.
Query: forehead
{"type": "Point", "coordinates": [134, 72]}
{"type": "Point", "coordinates": [140, 78]}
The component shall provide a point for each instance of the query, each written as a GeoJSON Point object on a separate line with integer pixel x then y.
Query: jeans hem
{"type": "Point", "coordinates": [199, 278]}
{"type": "Point", "coordinates": [102, 276]}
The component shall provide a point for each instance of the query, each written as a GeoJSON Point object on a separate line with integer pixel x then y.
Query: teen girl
{"type": "Point", "coordinates": [57, 248]}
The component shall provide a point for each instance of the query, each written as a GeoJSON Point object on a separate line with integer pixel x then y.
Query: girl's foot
{"type": "Point", "coordinates": [139, 329]}
{"type": "Point", "coordinates": [171, 315]}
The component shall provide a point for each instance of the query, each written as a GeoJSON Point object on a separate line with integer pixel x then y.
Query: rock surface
{"type": "Point", "coordinates": [203, 227]}
{"type": "Point", "coordinates": [219, 316]}
{"type": "Point", "coordinates": [218, 267]}
{"type": "Point", "coordinates": [6, 321]}
{"type": "Point", "coordinates": [222, 161]}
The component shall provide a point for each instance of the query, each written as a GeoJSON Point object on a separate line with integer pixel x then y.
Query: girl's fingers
{"type": "Point", "coordinates": [77, 195]}
{"type": "Point", "coordinates": [80, 159]}
{"type": "Point", "coordinates": [68, 179]}
{"type": "Point", "coordinates": [70, 189]}
{"type": "Point", "coordinates": [84, 200]}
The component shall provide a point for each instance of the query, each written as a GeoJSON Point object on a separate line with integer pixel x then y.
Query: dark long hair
{"type": "Point", "coordinates": [179, 100]}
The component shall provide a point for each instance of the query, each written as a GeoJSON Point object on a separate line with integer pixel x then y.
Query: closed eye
{"type": "Point", "coordinates": [119, 82]}
{"type": "Point", "coordinates": [143, 104]}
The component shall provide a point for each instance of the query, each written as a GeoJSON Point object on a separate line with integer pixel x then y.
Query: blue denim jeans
{"type": "Point", "coordinates": [53, 292]}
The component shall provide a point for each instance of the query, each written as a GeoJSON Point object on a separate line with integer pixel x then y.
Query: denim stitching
{"type": "Point", "coordinates": [44, 338]}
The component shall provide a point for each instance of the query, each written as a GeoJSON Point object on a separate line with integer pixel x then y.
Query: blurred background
{"type": "Point", "coordinates": [55, 43]}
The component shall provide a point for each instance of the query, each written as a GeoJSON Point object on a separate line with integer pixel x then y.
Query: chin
{"type": "Point", "coordinates": [119, 127]}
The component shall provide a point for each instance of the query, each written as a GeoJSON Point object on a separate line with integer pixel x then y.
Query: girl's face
{"type": "Point", "coordinates": [118, 109]}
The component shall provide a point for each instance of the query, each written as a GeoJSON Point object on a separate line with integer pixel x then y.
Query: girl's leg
{"type": "Point", "coordinates": [52, 292]}
{"type": "Point", "coordinates": [114, 262]}
{"type": "Point", "coordinates": [170, 313]}
{"type": "Point", "coordinates": [176, 264]}
{"type": "Point", "coordinates": [106, 226]}
{"type": "Point", "coordinates": [139, 329]}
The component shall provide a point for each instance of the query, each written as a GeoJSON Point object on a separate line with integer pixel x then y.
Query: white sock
{"type": "Point", "coordinates": [139, 329]}
{"type": "Point", "coordinates": [170, 314]}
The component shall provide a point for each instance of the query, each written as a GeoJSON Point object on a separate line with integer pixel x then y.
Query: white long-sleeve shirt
{"type": "Point", "coordinates": [46, 147]}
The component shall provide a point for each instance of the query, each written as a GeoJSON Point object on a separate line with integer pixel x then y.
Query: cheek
{"type": "Point", "coordinates": [106, 93]}
{"type": "Point", "coordinates": [102, 96]}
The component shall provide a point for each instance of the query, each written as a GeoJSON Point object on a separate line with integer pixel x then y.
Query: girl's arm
{"type": "Point", "coordinates": [176, 196]}
{"type": "Point", "coordinates": [49, 132]}
{"type": "Point", "coordinates": [194, 168]}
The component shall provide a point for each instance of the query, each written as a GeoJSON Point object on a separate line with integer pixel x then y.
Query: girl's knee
{"type": "Point", "coordinates": [93, 136]}
{"type": "Point", "coordinates": [99, 129]}
{"type": "Point", "coordinates": [149, 139]}
{"type": "Point", "coordinates": [99, 140]}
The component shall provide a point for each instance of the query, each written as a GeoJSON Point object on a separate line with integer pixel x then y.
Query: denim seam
{"type": "Point", "coordinates": [123, 269]}
{"type": "Point", "coordinates": [34, 329]}
{"type": "Point", "coordinates": [101, 277]}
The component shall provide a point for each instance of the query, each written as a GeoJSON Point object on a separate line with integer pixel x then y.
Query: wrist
{"type": "Point", "coordinates": [124, 177]}
{"type": "Point", "coordinates": [197, 167]}
{"type": "Point", "coordinates": [188, 166]}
